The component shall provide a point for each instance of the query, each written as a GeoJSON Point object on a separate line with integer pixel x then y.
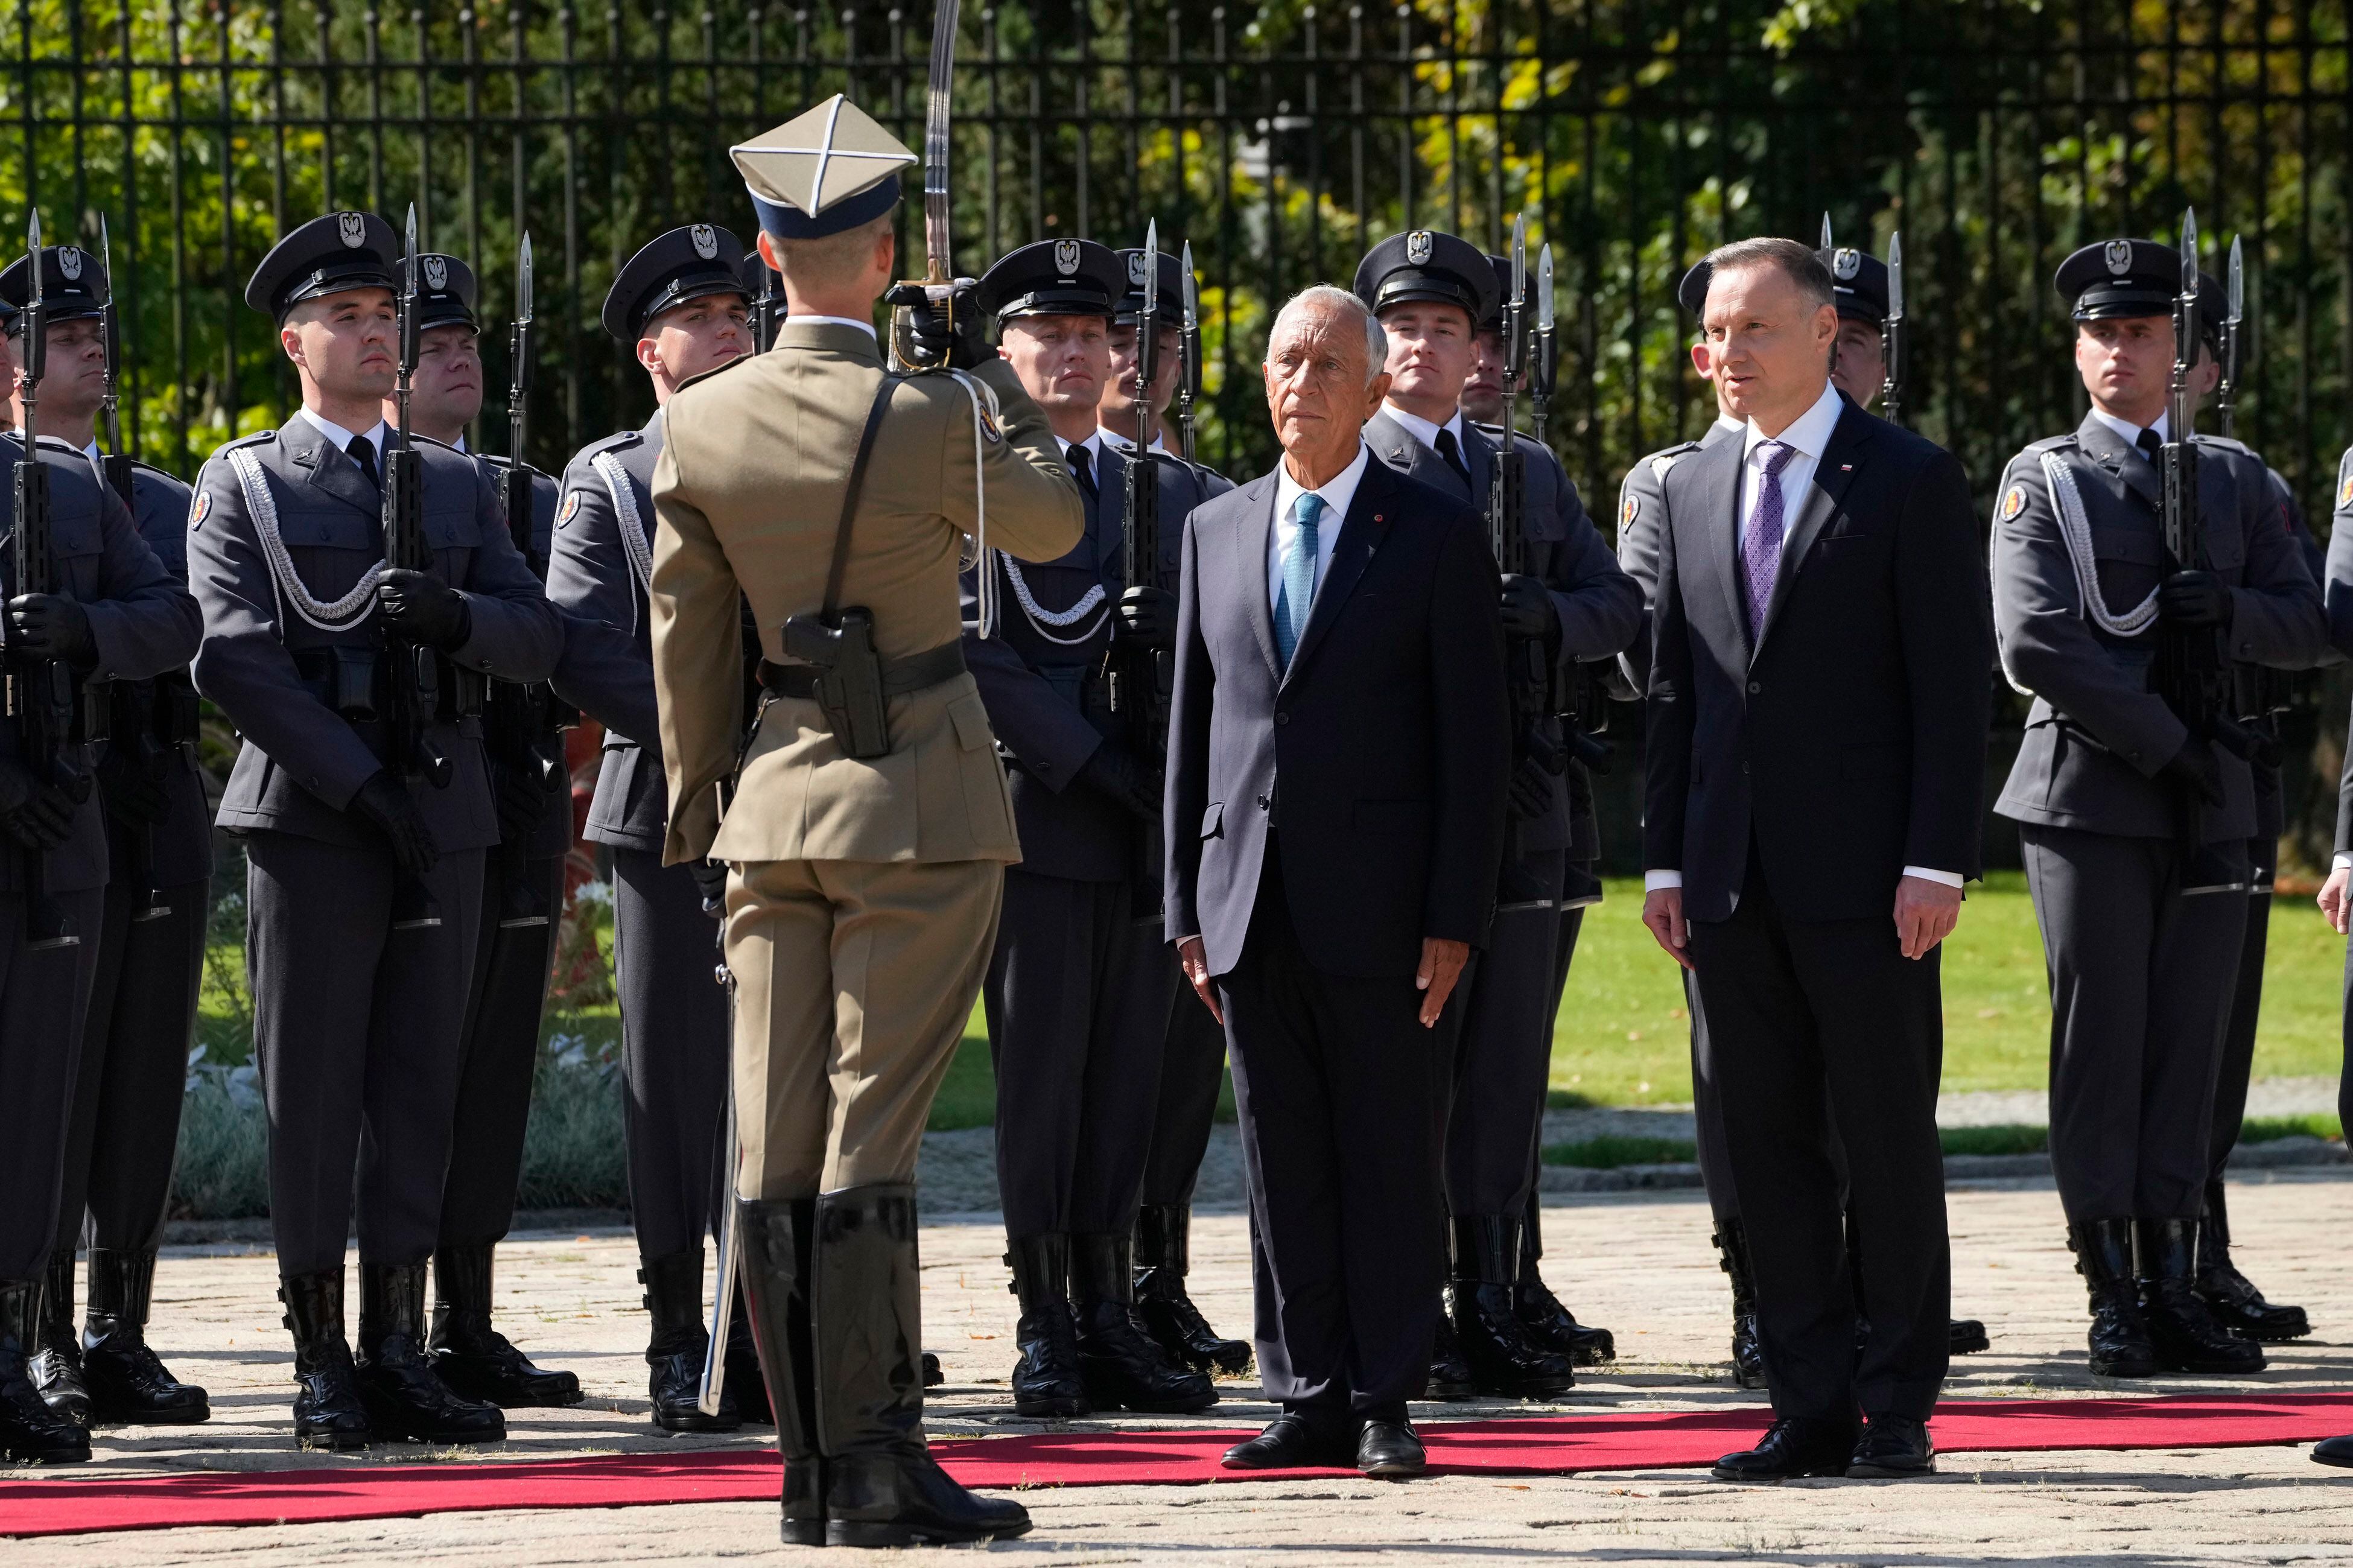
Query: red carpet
{"type": "Point", "coordinates": [1536, 1445]}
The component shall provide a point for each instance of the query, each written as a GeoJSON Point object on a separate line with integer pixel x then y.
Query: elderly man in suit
{"type": "Point", "coordinates": [1335, 822]}
{"type": "Point", "coordinates": [1818, 710]}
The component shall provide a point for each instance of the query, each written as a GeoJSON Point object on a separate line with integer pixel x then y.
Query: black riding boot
{"type": "Point", "coordinates": [473, 1358]}
{"type": "Point", "coordinates": [1161, 1260]}
{"type": "Point", "coordinates": [328, 1412]}
{"type": "Point", "coordinates": [405, 1396]}
{"type": "Point", "coordinates": [30, 1429]}
{"type": "Point", "coordinates": [2229, 1295]}
{"type": "Point", "coordinates": [1505, 1358]}
{"type": "Point", "coordinates": [1047, 1380]}
{"type": "Point", "coordinates": [2118, 1338]}
{"type": "Point", "coordinates": [1540, 1311]}
{"type": "Point", "coordinates": [56, 1360]}
{"type": "Point", "coordinates": [776, 1272]}
{"type": "Point", "coordinates": [128, 1383]}
{"type": "Point", "coordinates": [1731, 1240]}
{"type": "Point", "coordinates": [882, 1488]}
{"type": "Point", "coordinates": [675, 1350]}
{"type": "Point", "coordinates": [1124, 1365]}
{"type": "Point", "coordinates": [2184, 1332]}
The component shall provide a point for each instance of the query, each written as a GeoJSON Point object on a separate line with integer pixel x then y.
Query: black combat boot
{"type": "Point", "coordinates": [775, 1273]}
{"type": "Point", "coordinates": [1047, 1380]}
{"type": "Point", "coordinates": [1161, 1260]}
{"type": "Point", "coordinates": [2118, 1338]}
{"type": "Point", "coordinates": [2229, 1295]}
{"type": "Point", "coordinates": [882, 1488]}
{"type": "Point", "coordinates": [1540, 1311]}
{"type": "Point", "coordinates": [56, 1363]}
{"type": "Point", "coordinates": [1505, 1358]}
{"type": "Point", "coordinates": [474, 1359]}
{"type": "Point", "coordinates": [128, 1384]}
{"type": "Point", "coordinates": [328, 1412]}
{"type": "Point", "coordinates": [1449, 1372]}
{"type": "Point", "coordinates": [743, 1381]}
{"type": "Point", "coordinates": [1731, 1240]}
{"type": "Point", "coordinates": [1124, 1365]}
{"type": "Point", "coordinates": [675, 1350]}
{"type": "Point", "coordinates": [405, 1396]}
{"type": "Point", "coordinates": [2182, 1331]}
{"type": "Point", "coordinates": [30, 1429]}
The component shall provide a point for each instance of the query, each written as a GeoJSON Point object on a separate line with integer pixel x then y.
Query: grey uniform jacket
{"type": "Point", "coordinates": [182, 843]}
{"type": "Point", "coordinates": [1037, 679]}
{"type": "Point", "coordinates": [1599, 606]}
{"type": "Point", "coordinates": [595, 575]}
{"type": "Point", "coordinates": [302, 761]}
{"type": "Point", "coordinates": [2097, 734]}
{"type": "Point", "coordinates": [1642, 504]}
{"type": "Point", "coordinates": [552, 836]}
{"type": "Point", "coordinates": [142, 622]}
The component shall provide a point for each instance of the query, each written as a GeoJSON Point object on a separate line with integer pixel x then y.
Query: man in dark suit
{"type": "Point", "coordinates": [1817, 711]}
{"type": "Point", "coordinates": [1334, 821]}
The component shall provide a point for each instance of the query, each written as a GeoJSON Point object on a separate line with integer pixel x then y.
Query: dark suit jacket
{"type": "Point", "coordinates": [1849, 741]}
{"type": "Point", "coordinates": [1379, 755]}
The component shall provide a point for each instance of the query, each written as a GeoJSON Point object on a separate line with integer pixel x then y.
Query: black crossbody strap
{"type": "Point", "coordinates": [850, 496]}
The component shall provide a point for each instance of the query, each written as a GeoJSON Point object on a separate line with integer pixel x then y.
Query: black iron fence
{"type": "Point", "coordinates": [1280, 141]}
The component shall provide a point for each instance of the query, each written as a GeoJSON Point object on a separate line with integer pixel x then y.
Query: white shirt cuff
{"type": "Point", "coordinates": [1653, 881]}
{"type": "Point", "coordinates": [2343, 862]}
{"type": "Point", "coordinates": [1949, 879]}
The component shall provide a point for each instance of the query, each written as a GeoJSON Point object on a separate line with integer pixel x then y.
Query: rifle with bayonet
{"type": "Point", "coordinates": [1139, 670]}
{"type": "Point", "coordinates": [1189, 355]}
{"type": "Point", "coordinates": [1891, 390]}
{"type": "Point", "coordinates": [40, 689]}
{"type": "Point", "coordinates": [2226, 393]}
{"type": "Point", "coordinates": [768, 310]}
{"type": "Point", "coordinates": [2264, 691]}
{"type": "Point", "coordinates": [1584, 716]}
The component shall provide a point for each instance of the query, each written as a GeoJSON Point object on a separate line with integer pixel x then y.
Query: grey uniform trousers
{"type": "Point", "coordinates": [674, 1051]}
{"type": "Point", "coordinates": [359, 1033]}
{"type": "Point", "coordinates": [1505, 1057]}
{"type": "Point", "coordinates": [42, 999]}
{"type": "Point", "coordinates": [2238, 1063]}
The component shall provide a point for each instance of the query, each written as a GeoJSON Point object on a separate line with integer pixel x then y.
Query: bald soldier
{"type": "Point", "coordinates": [870, 827]}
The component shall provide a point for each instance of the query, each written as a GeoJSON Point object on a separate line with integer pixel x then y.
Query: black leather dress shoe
{"type": "Point", "coordinates": [1290, 1442]}
{"type": "Point", "coordinates": [2338, 1451]}
{"type": "Point", "coordinates": [1793, 1447]}
{"type": "Point", "coordinates": [1893, 1447]}
{"type": "Point", "coordinates": [1388, 1451]}
{"type": "Point", "coordinates": [1966, 1336]}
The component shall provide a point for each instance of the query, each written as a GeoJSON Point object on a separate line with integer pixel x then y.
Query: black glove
{"type": "Point", "coordinates": [132, 790]}
{"type": "Point", "coordinates": [1148, 615]}
{"type": "Point", "coordinates": [711, 882]}
{"type": "Point", "coordinates": [522, 801]}
{"type": "Point", "coordinates": [1529, 613]}
{"type": "Point", "coordinates": [36, 815]}
{"type": "Point", "coordinates": [2195, 767]}
{"type": "Point", "coordinates": [1529, 793]}
{"type": "Point", "coordinates": [1114, 770]}
{"type": "Point", "coordinates": [385, 801]}
{"type": "Point", "coordinates": [2194, 599]}
{"type": "Point", "coordinates": [51, 625]}
{"type": "Point", "coordinates": [932, 338]}
{"type": "Point", "coordinates": [423, 608]}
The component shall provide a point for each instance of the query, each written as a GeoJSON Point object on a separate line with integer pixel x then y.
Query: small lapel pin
{"type": "Point", "coordinates": [1378, 517]}
{"type": "Point", "coordinates": [1846, 468]}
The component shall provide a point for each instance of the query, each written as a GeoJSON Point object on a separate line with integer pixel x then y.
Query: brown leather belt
{"type": "Point", "coordinates": [899, 675]}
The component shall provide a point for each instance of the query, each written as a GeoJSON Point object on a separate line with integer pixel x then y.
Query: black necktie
{"type": "Point", "coordinates": [1452, 453]}
{"type": "Point", "coordinates": [362, 451]}
{"type": "Point", "coordinates": [1083, 470]}
{"type": "Point", "coordinates": [2150, 444]}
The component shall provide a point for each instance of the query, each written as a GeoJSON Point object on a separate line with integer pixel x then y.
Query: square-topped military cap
{"type": "Point", "coordinates": [821, 172]}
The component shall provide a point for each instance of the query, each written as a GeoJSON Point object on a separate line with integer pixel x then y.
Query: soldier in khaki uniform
{"type": "Point", "coordinates": [865, 869]}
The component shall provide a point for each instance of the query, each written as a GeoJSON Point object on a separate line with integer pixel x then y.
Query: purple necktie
{"type": "Point", "coordinates": [1760, 554]}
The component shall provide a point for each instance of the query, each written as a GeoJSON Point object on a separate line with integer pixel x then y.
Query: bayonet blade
{"type": "Point", "coordinates": [1895, 276]}
{"type": "Point", "coordinates": [1192, 290]}
{"type": "Point", "coordinates": [33, 250]}
{"type": "Point", "coordinates": [1827, 243]}
{"type": "Point", "coordinates": [1544, 288]}
{"type": "Point", "coordinates": [523, 282]}
{"type": "Point", "coordinates": [2238, 283]}
{"type": "Point", "coordinates": [940, 266]}
{"type": "Point", "coordinates": [1520, 259]}
{"type": "Point", "coordinates": [1149, 321]}
{"type": "Point", "coordinates": [107, 321]}
{"type": "Point", "coordinates": [2189, 250]}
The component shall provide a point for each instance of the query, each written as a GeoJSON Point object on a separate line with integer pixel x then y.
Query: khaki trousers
{"type": "Point", "coordinates": [854, 982]}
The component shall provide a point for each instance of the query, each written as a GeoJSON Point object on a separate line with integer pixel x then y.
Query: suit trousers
{"type": "Point", "coordinates": [1824, 1030]}
{"type": "Point", "coordinates": [133, 1071]}
{"type": "Point", "coordinates": [2238, 1064]}
{"type": "Point", "coordinates": [1340, 1094]}
{"type": "Point", "coordinates": [854, 980]}
{"type": "Point", "coordinates": [502, 1052]}
{"type": "Point", "coordinates": [2140, 992]}
{"type": "Point", "coordinates": [1078, 996]}
{"type": "Point", "coordinates": [358, 1030]}
{"type": "Point", "coordinates": [1192, 1071]}
{"type": "Point", "coordinates": [674, 1051]}
{"type": "Point", "coordinates": [1505, 1058]}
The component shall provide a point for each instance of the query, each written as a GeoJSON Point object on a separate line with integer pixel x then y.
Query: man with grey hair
{"type": "Point", "coordinates": [1334, 819]}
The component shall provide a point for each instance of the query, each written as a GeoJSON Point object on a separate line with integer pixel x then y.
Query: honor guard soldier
{"type": "Point", "coordinates": [868, 825]}
{"type": "Point", "coordinates": [1192, 1067]}
{"type": "Point", "coordinates": [2133, 808]}
{"type": "Point", "coordinates": [107, 611]}
{"type": "Point", "coordinates": [680, 303]}
{"type": "Point", "coordinates": [1569, 601]}
{"type": "Point", "coordinates": [1081, 977]}
{"type": "Point", "coordinates": [1859, 288]}
{"type": "Point", "coordinates": [366, 806]}
{"type": "Point", "coordinates": [147, 949]}
{"type": "Point", "coordinates": [515, 925]}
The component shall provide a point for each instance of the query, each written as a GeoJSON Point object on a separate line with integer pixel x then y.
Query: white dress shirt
{"type": "Point", "coordinates": [1808, 436]}
{"type": "Point", "coordinates": [866, 327]}
{"type": "Point", "coordinates": [1118, 442]}
{"type": "Point", "coordinates": [343, 437]}
{"type": "Point", "coordinates": [1423, 431]}
{"type": "Point", "coordinates": [2129, 431]}
{"type": "Point", "coordinates": [1337, 495]}
{"type": "Point", "coordinates": [1727, 422]}
{"type": "Point", "coordinates": [1093, 444]}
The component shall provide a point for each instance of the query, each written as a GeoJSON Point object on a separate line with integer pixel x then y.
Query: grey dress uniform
{"type": "Point", "coordinates": [2140, 974]}
{"type": "Point", "coordinates": [358, 1028]}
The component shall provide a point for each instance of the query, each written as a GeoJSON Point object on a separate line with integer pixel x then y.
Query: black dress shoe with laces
{"type": "Point", "coordinates": [1388, 1451]}
{"type": "Point", "coordinates": [2337, 1451]}
{"type": "Point", "coordinates": [1793, 1447]}
{"type": "Point", "coordinates": [1893, 1447]}
{"type": "Point", "coordinates": [1291, 1442]}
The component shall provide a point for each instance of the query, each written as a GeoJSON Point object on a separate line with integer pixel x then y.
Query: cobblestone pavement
{"type": "Point", "coordinates": [1639, 1263]}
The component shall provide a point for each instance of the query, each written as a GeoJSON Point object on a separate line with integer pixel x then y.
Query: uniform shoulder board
{"type": "Point", "coordinates": [140, 465]}
{"type": "Point", "coordinates": [2226, 443]}
{"type": "Point", "coordinates": [259, 438]}
{"type": "Point", "coordinates": [716, 370]}
{"type": "Point", "coordinates": [620, 440]}
{"type": "Point", "coordinates": [1663, 461]}
{"type": "Point", "coordinates": [2036, 448]}
{"type": "Point", "coordinates": [59, 444]}
{"type": "Point", "coordinates": [417, 438]}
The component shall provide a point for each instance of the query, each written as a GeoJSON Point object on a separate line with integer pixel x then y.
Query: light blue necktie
{"type": "Point", "coordinates": [1298, 594]}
